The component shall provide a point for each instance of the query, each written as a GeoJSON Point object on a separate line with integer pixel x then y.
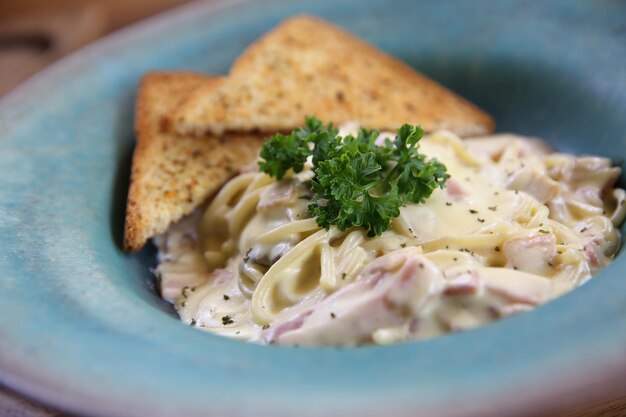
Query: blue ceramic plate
{"type": "Point", "coordinates": [82, 329]}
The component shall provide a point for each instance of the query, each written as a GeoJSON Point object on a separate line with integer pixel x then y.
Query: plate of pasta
{"type": "Point", "coordinates": [288, 208]}
{"type": "Point", "coordinates": [506, 238]}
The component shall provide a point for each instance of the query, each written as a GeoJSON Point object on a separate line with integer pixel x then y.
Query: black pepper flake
{"type": "Point", "coordinates": [516, 191]}
{"type": "Point", "coordinates": [421, 265]}
{"type": "Point", "coordinates": [473, 211]}
{"type": "Point", "coordinates": [583, 230]}
{"type": "Point", "coordinates": [193, 322]}
{"type": "Point", "coordinates": [515, 268]}
{"type": "Point", "coordinates": [497, 248]}
{"type": "Point", "coordinates": [332, 315]}
{"type": "Point", "coordinates": [183, 304]}
{"type": "Point", "coordinates": [543, 231]}
{"type": "Point", "coordinates": [246, 257]}
{"type": "Point", "coordinates": [265, 326]}
{"type": "Point", "coordinates": [227, 320]}
{"type": "Point", "coordinates": [448, 203]}
{"type": "Point", "coordinates": [480, 220]}
{"type": "Point", "coordinates": [550, 264]}
{"type": "Point", "coordinates": [403, 245]}
{"type": "Point", "coordinates": [455, 259]}
{"type": "Point", "coordinates": [344, 275]}
{"type": "Point", "coordinates": [226, 298]}
{"type": "Point", "coordinates": [493, 208]}
{"type": "Point", "coordinates": [496, 193]}
{"type": "Point", "coordinates": [193, 289]}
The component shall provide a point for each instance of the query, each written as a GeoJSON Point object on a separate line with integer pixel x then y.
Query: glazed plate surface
{"type": "Point", "coordinates": [82, 329]}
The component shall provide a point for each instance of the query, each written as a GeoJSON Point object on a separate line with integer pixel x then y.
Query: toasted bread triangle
{"type": "Point", "coordinates": [171, 174]}
{"type": "Point", "coordinates": [306, 66]}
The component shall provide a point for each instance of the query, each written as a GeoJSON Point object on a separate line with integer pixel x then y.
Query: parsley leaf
{"type": "Point", "coordinates": [416, 178]}
{"type": "Point", "coordinates": [357, 183]}
{"type": "Point", "coordinates": [283, 153]}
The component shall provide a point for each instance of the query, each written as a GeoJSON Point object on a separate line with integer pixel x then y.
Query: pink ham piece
{"type": "Point", "coordinates": [518, 287]}
{"type": "Point", "coordinates": [467, 283]}
{"type": "Point", "coordinates": [388, 292]}
{"type": "Point", "coordinates": [530, 254]}
{"type": "Point", "coordinates": [454, 190]}
{"type": "Point", "coordinates": [535, 183]}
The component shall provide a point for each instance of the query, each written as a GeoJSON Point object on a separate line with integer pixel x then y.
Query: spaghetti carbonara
{"type": "Point", "coordinates": [517, 225]}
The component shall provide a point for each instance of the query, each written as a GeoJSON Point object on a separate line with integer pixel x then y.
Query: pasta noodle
{"type": "Point", "coordinates": [516, 226]}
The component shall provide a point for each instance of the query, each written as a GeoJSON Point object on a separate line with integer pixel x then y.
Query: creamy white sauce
{"type": "Point", "coordinates": [516, 226]}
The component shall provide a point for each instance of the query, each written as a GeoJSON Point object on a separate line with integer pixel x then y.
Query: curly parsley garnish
{"type": "Point", "coordinates": [357, 183]}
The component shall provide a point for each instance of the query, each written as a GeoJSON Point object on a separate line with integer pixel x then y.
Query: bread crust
{"type": "Point", "coordinates": [173, 174]}
{"type": "Point", "coordinates": [306, 66]}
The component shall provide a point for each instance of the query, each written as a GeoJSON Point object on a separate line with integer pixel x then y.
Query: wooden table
{"type": "Point", "coordinates": [35, 33]}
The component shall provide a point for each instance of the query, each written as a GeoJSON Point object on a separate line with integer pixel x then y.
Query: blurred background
{"type": "Point", "coordinates": [35, 33]}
